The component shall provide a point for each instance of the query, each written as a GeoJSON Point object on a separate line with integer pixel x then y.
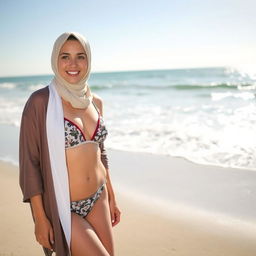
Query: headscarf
{"type": "Point", "coordinates": [79, 95]}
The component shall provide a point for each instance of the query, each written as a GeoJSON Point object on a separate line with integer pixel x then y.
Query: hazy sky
{"type": "Point", "coordinates": [129, 35]}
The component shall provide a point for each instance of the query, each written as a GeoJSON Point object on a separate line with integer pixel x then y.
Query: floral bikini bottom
{"type": "Point", "coordinates": [84, 206]}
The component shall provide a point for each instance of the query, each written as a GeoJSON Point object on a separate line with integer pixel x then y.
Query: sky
{"type": "Point", "coordinates": [129, 35]}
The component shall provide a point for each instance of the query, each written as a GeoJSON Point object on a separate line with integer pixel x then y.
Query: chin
{"type": "Point", "coordinates": [73, 81]}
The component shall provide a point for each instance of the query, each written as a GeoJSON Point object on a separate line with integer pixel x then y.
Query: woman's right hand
{"type": "Point", "coordinates": [44, 232]}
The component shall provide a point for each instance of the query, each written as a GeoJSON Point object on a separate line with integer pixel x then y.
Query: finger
{"type": "Point", "coordinates": [46, 244]}
{"type": "Point", "coordinates": [51, 236]}
{"type": "Point", "coordinates": [117, 219]}
{"type": "Point", "coordinates": [112, 214]}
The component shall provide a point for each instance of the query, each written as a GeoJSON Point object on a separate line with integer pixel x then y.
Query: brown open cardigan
{"type": "Point", "coordinates": [35, 176]}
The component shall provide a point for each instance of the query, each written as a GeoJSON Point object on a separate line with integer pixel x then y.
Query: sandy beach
{"type": "Point", "coordinates": [143, 230]}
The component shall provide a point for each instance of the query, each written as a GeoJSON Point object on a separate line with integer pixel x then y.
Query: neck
{"type": "Point", "coordinates": [66, 103]}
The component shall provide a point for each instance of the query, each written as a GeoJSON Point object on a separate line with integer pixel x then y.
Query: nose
{"type": "Point", "coordinates": [73, 62]}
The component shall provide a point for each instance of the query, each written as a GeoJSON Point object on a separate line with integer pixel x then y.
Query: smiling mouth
{"type": "Point", "coordinates": [72, 73]}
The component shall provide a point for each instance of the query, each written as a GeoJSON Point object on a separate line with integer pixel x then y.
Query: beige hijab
{"type": "Point", "coordinates": [79, 95]}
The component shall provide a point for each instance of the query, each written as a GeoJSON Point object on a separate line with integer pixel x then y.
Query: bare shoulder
{"type": "Point", "coordinates": [98, 102]}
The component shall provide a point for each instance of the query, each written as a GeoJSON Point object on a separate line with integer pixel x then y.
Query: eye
{"type": "Point", "coordinates": [81, 57]}
{"type": "Point", "coordinates": [64, 57]}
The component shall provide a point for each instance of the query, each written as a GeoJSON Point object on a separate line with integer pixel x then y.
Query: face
{"type": "Point", "coordinates": [72, 61]}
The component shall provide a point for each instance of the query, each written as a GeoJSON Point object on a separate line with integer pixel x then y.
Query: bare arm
{"type": "Point", "coordinates": [111, 194]}
{"type": "Point", "coordinates": [43, 228]}
{"type": "Point", "coordinates": [37, 207]}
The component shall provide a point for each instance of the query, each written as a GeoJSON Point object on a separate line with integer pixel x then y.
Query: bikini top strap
{"type": "Point", "coordinates": [96, 107]}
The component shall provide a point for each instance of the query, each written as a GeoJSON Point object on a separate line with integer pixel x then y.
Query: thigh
{"type": "Point", "coordinates": [84, 240]}
{"type": "Point", "coordinates": [99, 217]}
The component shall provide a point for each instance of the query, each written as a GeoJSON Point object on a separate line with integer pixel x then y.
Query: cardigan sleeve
{"type": "Point", "coordinates": [30, 178]}
{"type": "Point", "coordinates": [104, 156]}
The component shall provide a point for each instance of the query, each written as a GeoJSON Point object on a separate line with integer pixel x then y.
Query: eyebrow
{"type": "Point", "coordinates": [66, 53]}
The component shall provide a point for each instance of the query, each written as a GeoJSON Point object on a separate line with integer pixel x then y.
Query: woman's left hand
{"type": "Point", "coordinates": [114, 212]}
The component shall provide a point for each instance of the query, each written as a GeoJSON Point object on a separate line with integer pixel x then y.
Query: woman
{"type": "Point", "coordinates": [64, 169]}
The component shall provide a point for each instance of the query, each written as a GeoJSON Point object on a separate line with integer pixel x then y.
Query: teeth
{"type": "Point", "coordinates": [72, 72]}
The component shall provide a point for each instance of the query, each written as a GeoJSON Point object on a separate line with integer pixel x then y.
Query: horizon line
{"type": "Point", "coordinates": [124, 71]}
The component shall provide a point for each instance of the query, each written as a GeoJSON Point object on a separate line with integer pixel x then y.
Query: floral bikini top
{"type": "Point", "coordinates": [74, 135]}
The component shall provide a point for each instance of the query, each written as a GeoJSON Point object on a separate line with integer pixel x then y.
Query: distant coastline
{"type": "Point", "coordinates": [121, 71]}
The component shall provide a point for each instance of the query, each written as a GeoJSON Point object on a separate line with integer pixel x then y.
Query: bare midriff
{"type": "Point", "coordinates": [85, 169]}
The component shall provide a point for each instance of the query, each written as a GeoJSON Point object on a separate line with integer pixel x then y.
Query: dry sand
{"type": "Point", "coordinates": [141, 231]}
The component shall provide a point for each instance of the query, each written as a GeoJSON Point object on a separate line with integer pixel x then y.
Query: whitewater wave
{"type": "Point", "coordinates": [216, 96]}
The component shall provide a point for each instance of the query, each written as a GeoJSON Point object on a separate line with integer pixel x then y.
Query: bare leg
{"type": "Point", "coordinates": [84, 240]}
{"type": "Point", "coordinates": [100, 219]}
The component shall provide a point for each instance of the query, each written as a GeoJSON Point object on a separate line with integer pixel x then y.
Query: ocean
{"type": "Point", "coordinates": [206, 115]}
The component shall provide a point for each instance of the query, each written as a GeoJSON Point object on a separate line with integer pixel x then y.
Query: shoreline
{"type": "Point", "coordinates": [175, 176]}
{"type": "Point", "coordinates": [143, 230]}
{"type": "Point", "coordinates": [179, 183]}
{"type": "Point", "coordinates": [181, 174]}
{"type": "Point", "coordinates": [183, 158]}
